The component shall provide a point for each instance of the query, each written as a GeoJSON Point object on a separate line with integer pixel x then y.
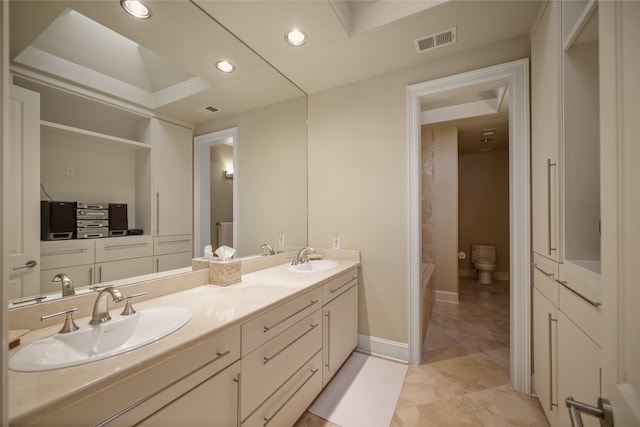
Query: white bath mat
{"type": "Point", "coordinates": [363, 393]}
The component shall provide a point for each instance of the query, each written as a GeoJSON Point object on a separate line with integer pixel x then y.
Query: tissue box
{"type": "Point", "coordinates": [199, 263]}
{"type": "Point", "coordinates": [224, 273]}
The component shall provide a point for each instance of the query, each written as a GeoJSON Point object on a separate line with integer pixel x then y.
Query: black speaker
{"type": "Point", "coordinates": [57, 220]}
{"type": "Point", "coordinates": [118, 221]}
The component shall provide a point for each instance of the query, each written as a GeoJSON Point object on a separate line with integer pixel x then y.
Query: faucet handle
{"type": "Point", "coordinates": [128, 308]}
{"type": "Point", "coordinates": [69, 324]}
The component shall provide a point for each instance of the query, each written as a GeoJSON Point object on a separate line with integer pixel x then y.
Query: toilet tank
{"type": "Point", "coordinates": [483, 253]}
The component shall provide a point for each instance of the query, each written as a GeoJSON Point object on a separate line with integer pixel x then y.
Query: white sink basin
{"type": "Point", "coordinates": [91, 343]}
{"type": "Point", "coordinates": [314, 265]}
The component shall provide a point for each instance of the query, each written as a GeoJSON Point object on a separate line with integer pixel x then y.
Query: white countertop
{"type": "Point", "coordinates": [214, 310]}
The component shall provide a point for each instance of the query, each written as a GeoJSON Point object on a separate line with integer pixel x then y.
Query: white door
{"type": "Point", "coordinates": [21, 192]}
{"type": "Point", "coordinates": [620, 175]}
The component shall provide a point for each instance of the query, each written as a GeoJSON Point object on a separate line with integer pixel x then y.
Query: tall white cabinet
{"type": "Point", "coordinates": [566, 207]}
{"type": "Point", "coordinates": [21, 193]}
{"type": "Point", "coordinates": [173, 195]}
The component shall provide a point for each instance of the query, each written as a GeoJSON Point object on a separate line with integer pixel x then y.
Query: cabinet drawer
{"type": "Point", "coordinates": [290, 401]}
{"type": "Point", "coordinates": [172, 244]}
{"type": "Point", "coordinates": [131, 400]}
{"type": "Point", "coordinates": [257, 331]}
{"type": "Point", "coordinates": [66, 253]}
{"type": "Point", "coordinates": [117, 248]}
{"type": "Point", "coordinates": [116, 270]}
{"type": "Point", "coordinates": [172, 261]}
{"type": "Point", "coordinates": [583, 314]}
{"type": "Point", "coordinates": [80, 275]}
{"type": "Point", "coordinates": [545, 273]}
{"type": "Point", "coordinates": [268, 367]}
{"type": "Point", "coordinates": [339, 285]}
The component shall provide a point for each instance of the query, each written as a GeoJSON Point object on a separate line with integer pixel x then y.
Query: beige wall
{"type": "Point", "coordinates": [358, 177]}
{"type": "Point", "coordinates": [427, 188]}
{"type": "Point", "coordinates": [484, 205]}
{"type": "Point", "coordinates": [445, 208]}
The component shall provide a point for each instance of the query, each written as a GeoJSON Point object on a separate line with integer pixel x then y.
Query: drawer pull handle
{"type": "Point", "coordinates": [220, 355]}
{"type": "Point", "coordinates": [132, 245]}
{"type": "Point", "coordinates": [267, 328]}
{"type": "Point", "coordinates": [173, 242]}
{"type": "Point", "coordinates": [67, 251]}
{"type": "Point", "coordinates": [541, 270]}
{"type": "Point", "coordinates": [267, 420]}
{"type": "Point", "coordinates": [578, 294]}
{"type": "Point", "coordinates": [269, 359]}
{"type": "Point", "coordinates": [341, 286]}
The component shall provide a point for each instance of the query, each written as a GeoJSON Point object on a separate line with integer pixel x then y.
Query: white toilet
{"type": "Point", "coordinates": [483, 258]}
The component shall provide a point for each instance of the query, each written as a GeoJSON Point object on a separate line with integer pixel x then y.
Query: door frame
{"type": "Point", "coordinates": [515, 76]}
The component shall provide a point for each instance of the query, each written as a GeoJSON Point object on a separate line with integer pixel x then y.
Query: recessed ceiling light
{"type": "Point", "coordinates": [225, 66]}
{"type": "Point", "coordinates": [295, 37]}
{"type": "Point", "coordinates": [135, 8]}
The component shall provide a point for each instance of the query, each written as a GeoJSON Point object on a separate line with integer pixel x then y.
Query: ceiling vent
{"type": "Point", "coordinates": [209, 109]}
{"type": "Point", "coordinates": [435, 41]}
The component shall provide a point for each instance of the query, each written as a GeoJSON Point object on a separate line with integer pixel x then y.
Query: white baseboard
{"type": "Point", "coordinates": [381, 347]}
{"type": "Point", "coordinates": [447, 296]}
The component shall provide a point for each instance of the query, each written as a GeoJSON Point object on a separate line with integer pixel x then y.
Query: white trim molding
{"type": "Point", "coordinates": [515, 76]}
{"type": "Point", "coordinates": [381, 347]}
{"type": "Point", "coordinates": [447, 296]}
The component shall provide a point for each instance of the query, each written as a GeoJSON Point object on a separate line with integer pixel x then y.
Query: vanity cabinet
{"type": "Point", "coordinates": [92, 261]}
{"type": "Point", "coordinates": [200, 385]}
{"type": "Point", "coordinates": [210, 402]}
{"type": "Point", "coordinates": [282, 357]}
{"type": "Point", "coordinates": [340, 322]}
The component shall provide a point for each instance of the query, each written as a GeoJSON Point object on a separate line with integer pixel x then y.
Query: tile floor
{"type": "Point", "coordinates": [464, 377]}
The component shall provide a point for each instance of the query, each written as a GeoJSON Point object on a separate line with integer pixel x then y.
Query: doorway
{"type": "Point", "coordinates": [202, 234]}
{"type": "Point", "coordinates": [513, 76]}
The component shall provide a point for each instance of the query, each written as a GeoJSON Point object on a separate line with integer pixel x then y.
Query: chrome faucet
{"type": "Point", "coordinates": [101, 307]}
{"type": "Point", "coordinates": [303, 255]}
{"type": "Point", "coordinates": [67, 284]}
{"type": "Point", "coordinates": [267, 249]}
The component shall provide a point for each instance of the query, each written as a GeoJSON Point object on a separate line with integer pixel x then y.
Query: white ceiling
{"type": "Point", "coordinates": [347, 41]}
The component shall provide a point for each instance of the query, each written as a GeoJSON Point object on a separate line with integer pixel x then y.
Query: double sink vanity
{"type": "Point", "coordinates": [256, 352]}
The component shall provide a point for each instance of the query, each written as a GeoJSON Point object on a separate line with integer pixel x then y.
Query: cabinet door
{"type": "Point", "coordinates": [545, 134]}
{"type": "Point", "coordinates": [172, 179]}
{"type": "Point", "coordinates": [340, 332]}
{"type": "Point", "coordinates": [21, 193]}
{"type": "Point", "coordinates": [172, 261]}
{"type": "Point", "coordinates": [579, 377]}
{"type": "Point", "coordinates": [545, 317]}
{"type": "Point", "coordinates": [80, 275]}
{"type": "Point", "coordinates": [212, 403]}
{"type": "Point", "coordinates": [115, 270]}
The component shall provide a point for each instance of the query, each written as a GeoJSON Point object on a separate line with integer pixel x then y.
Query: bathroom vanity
{"type": "Point", "coordinates": [254, 353]}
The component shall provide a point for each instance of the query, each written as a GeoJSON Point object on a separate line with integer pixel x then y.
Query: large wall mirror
{"type": "Point", "coordinates": [106, 75]}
